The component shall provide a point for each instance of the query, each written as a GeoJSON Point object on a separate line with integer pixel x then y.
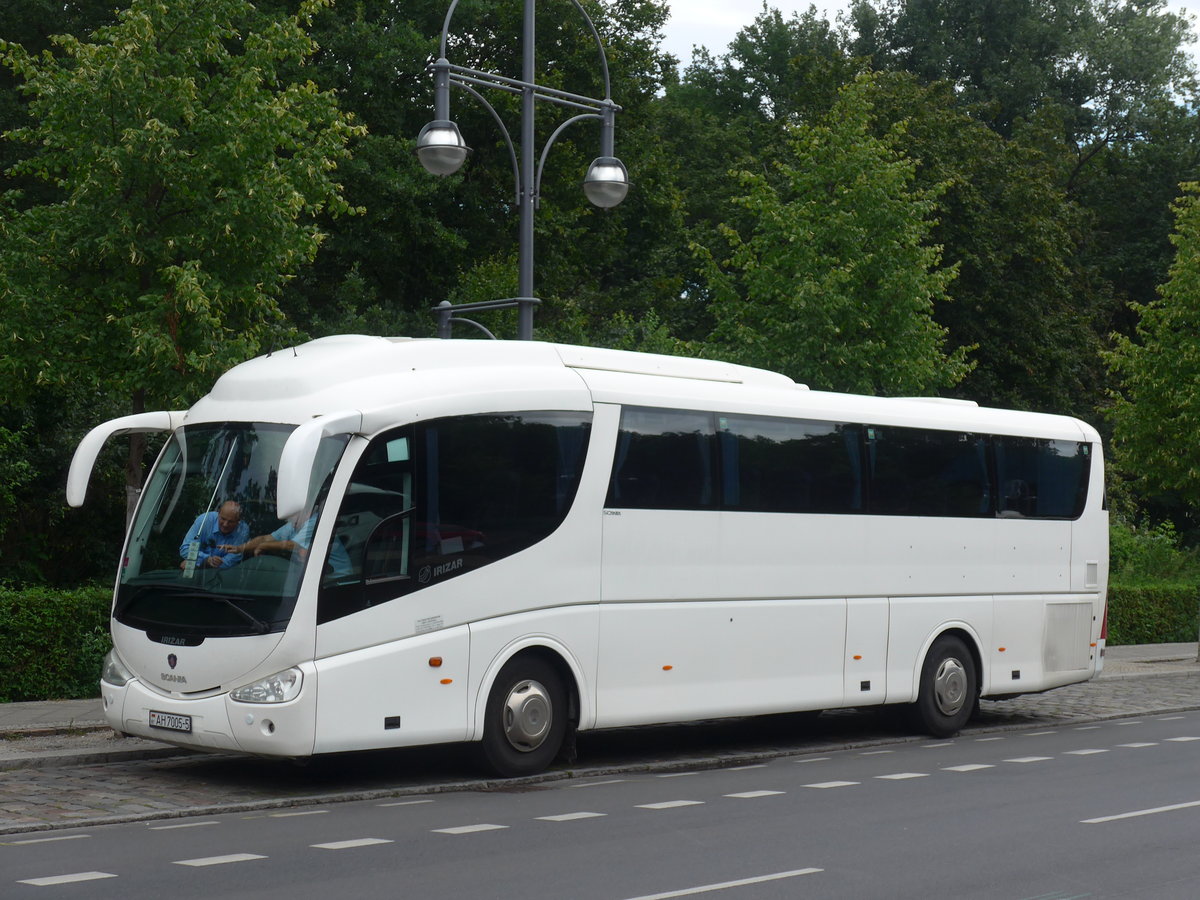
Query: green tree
{"type": "Point", "coordinates": [836, 284]}
{"type": "Point", "coordinates": [1156, 415]}
{"type": "Point", "coordinates": [187, 171]}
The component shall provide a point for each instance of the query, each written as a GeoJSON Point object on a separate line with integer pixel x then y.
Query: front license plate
{"type": "Point", "coordinates": [170, 721]}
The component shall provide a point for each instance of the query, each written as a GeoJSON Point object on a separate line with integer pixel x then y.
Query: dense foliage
{"type": "Point", "coordinates": [979, 198]}
{"type": "Point", "coordinates": [53, 642]}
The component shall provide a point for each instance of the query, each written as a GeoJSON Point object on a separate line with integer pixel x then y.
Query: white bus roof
{"type": "Point", "coordinates": [429, 377]}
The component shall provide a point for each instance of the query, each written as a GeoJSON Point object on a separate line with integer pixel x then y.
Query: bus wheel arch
{"type": "Point", "coordinates": [948, 684]}
{"type": "Point", "coordinates": [530, 713]}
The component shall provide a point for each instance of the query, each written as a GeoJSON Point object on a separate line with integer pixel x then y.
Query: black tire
{"type": "Point", "coordinates": [949, 689]}
{"type": "Point", "coordinates": [525, 719]}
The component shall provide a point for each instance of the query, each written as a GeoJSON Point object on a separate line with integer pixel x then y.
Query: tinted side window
{"type": "Point", "coordinates": [784, 465]}
{"type": "Point", "coordinates": [917, 472]}
{"type": "Point", "coordinates": [664, 460]}
{"type": "Point", "coordinates": [432, 501]}
{"type": "Point", "coordinates": [1040, 478]}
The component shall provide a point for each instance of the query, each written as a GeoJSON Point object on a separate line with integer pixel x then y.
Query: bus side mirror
{"type": "Point", "coordinates": [89, 448]}
{"type": "Point", "coordinates": [299, 453]}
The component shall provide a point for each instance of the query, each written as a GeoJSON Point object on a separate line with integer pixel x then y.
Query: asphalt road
{"type": "Point", "coordinates": [1104, 810]}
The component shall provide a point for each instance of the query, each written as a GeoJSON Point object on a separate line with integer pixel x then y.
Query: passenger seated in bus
{"type": "Point", "coordinates": [211, 537]}
{"type": "Point", "coordinates": [294, 538]}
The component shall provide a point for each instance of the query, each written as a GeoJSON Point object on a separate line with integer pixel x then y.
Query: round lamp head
{"type": "Point", "coordinates": [441, 148]}
{"type": "Point", "coordinates": [606, 182]}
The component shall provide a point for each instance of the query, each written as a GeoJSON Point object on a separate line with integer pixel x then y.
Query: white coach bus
{"type": "Point", "coordinates": [506, 542]}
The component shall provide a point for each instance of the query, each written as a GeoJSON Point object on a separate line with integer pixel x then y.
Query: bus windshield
{"type": "Point", "coordinates": [207, 555]}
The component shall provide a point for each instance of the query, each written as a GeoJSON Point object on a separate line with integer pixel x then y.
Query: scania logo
{"type": "Point", "coordinates": [175, 679]}
{"type": "Point", "coordinates": [172, 660]}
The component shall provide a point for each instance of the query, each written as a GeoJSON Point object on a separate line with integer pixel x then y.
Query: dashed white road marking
{"type": "Point", "coordinates": [812, 759]}
{"type": "Point", "coordinates": [986, 739]}
{"type": "Point", "coordinates": [1140, 812]}
{"type": "Point", "coordinates": [571, 817]}
{"type": "Point", "coordinates": [935, 746]}
{"type": "Point", "coordinates": [1139, 744]}
{"type": "Point", "coordinates": [1170, 718]}
{"type": "Point", "coordinates": [670, 804]}
{"type": "Point", "coordinates": [1133, 722]}
{"type": "Point", "coordinates": [875, 752]}
{"type": "Point", "coordinates": [744, 768]}
{"type": "Point", "coordinates": [1182, 739]}
{"type": "Point", "coordinates": [184, 825]}
{"type": "Point", "coordinates": [1038, 733]}
{"type": "Point", "coordinates": [347, 845]}
{"type": "Point", "coordinates": [1087, 752]}
{"type": "Point", "coordinates": [469, 829]}
{"type": "Point", "coordinates": [404, 803]}
{"type": "Point", "coordinates": [47, 840]}
{"type": "Point", "coordinates": [676, 774]}
{"type": "Point", "coordinates": [66, 879]}
{"type": "Point", "coordinates": [969, 767]}
{"type": "Point", "coordinates": [599, 783]}
{"type": "Point", "coordinates": [753, 795]}
{"type": "Point", "coordinates": [218, 860]}
{"type": "Point", "coordinates": [299, 812]}
{"type": "Point", "coordinates": [901, 776]}
{"type": "Point", "coordinates": [708, 888]}
{"type": "Point", "coordinates": [1029, 759]}
{"type": "Point", "coordinates": [831, 784]}
{"type": "Point", "coordinates": [1087, 728]}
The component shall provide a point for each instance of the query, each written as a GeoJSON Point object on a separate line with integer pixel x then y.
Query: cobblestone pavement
{"type": "Point", "coordinates": [103, 787]}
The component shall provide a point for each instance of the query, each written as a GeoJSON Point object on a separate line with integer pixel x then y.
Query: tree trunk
{"type": "Point", "coordinates": [133, 463]}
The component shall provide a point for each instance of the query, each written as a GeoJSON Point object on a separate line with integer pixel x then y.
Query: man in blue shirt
{"type": "Point", "coordinates": [211, 536]}
{"type": "Point", "coordinates": [294, 538]}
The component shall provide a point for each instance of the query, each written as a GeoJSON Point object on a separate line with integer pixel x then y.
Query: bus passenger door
{"type": "Point", "coordinates": [866, 650]}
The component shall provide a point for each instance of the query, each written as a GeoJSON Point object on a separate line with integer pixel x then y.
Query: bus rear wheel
{"type": "Point", "coordinates": [949, 688]}
{"type": "Point", "coordinates": [525, 719]}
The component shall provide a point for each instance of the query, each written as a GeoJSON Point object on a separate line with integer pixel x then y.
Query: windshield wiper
{"type": "Point", "coordinates": [260, 626]}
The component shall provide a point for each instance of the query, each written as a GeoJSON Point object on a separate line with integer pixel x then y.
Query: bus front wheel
{"type": "Point", "coordinates": [949, 688]}
{"type": "Point", "coordinates": [525, 719]}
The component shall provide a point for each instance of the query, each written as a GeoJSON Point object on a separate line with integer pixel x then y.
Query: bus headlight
{"type": "Point", "coordinates": [278, 688]}
{"type": "Point", "coordinates": [114, 671]}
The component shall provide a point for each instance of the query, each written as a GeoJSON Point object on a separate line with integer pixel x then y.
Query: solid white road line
{"type": "Point", "coordinates": [468, 829]}
{"type": "Point", "coordinates": [218, 860]}
{"type": "Point", "coordinates": [741, 882]}
{"type": "Point", "coordinates": [66, 879]}
{"type": "Point", "coordinates": [670, 804]}
{"type": "Point", "coordinates": [571, 817]}
{"type": "Point", "coordinates": [1140, 812]}
{"type": "Point", "coordinates": [346, 845]}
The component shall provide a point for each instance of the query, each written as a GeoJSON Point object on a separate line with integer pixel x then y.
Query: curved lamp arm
{"type": "Point", "coordinates": [537, 181]}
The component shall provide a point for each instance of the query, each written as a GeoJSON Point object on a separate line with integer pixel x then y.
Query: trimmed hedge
{"type": "Point", "coordinates": [52, 642]}
{"type": "Point", "coordinates": [1161, 613]}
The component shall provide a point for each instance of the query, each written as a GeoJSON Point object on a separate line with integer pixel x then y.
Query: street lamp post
{"type": "Point", "coordinates": [442, 150]}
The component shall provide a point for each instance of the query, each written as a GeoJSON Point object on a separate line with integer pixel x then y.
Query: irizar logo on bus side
{"type": "Point", "coordinates": [428, 573]}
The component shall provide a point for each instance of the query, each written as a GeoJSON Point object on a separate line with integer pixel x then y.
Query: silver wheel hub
{"type": "Point", "coordinates": [950, 687]}
{"type": "Point", "coordinates": [528, 714]}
